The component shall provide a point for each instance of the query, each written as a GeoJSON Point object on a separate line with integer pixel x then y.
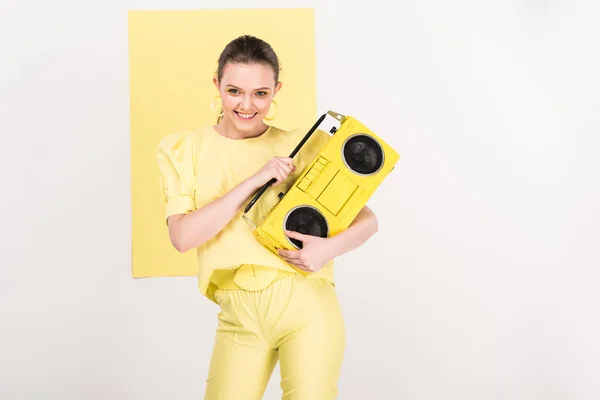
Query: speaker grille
{"type": "Point", "coordinates": [362, 154]}
{"type": "Point", "coordinates": [307, 220]}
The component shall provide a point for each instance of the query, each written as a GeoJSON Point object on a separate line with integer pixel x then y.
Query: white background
{"type": "Point", "coordinates": [482, 283]}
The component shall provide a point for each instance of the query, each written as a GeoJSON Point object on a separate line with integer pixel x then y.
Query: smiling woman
{"type": "Point", "coordinates": [269, 312]}
{"type": "Point", "coordinates": [247, 79]}
{"type": "Point", "coordinates": [247, 92]}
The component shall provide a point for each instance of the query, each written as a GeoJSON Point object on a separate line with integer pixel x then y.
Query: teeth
{"type": "Point", "coordinates": [248, 116]}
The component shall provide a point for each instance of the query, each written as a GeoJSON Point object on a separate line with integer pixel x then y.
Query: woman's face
{"type": "Point", "coordinates": [246, 92]}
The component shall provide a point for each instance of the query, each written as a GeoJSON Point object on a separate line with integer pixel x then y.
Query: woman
{"type": "Point", "coordinates": [268, 310]}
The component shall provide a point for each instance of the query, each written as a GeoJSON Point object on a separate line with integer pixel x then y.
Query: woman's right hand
{"type": "Point", "coordinates": [277, 167]}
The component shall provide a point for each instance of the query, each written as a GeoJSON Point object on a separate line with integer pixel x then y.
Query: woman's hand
{"type": "Point", "coordinates": [315, 253]}
{"type": "Point", "coordinates": [277, 167]}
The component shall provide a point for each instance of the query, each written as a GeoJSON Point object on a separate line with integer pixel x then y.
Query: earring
{"type": "Point", "coordinates": [212, 106]}
{"type": "Point", "coordinates": [276, 111]}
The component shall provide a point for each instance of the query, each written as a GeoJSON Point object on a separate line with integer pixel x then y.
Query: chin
{"type": "Point", "coordinates": [245, 127]}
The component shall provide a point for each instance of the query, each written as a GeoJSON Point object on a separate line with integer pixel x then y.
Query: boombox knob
{"type": "Point", "coordinates": [333, 130]}
{"type": "Point", "coordinates": [280, 195]}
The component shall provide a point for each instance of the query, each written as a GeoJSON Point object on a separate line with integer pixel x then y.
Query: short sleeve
{"type": "Point", "coordinates": [176, 157]}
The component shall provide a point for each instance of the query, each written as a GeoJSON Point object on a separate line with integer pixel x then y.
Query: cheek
{"type": "Point", "coordinates": [263, 105]}
{"type": "Point", "coordinates": [229, 103]}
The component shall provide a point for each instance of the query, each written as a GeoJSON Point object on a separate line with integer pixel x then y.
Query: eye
{"type": "Point", "coordinates": [233, 91]}
{"type": "Point", "coordinates": [261, 93]}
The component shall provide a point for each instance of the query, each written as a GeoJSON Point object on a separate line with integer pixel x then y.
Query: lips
{"type": "Point", "coordinates": [245, 116]}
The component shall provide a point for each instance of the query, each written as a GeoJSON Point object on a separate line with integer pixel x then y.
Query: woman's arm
{"type": "Point", "coordinates": [188, 231]}
{"type": "Point", "coordinates": [192, 230]}
{"type": "Point", "coordinates": [317, 251]}
{"type": "Point", "coordinates": [360, 230]}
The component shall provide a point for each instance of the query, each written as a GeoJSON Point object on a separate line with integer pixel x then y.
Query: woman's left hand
{"type": "Point", "coordinates": [315, 253]}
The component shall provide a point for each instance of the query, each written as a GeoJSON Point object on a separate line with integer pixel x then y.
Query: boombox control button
{"type": "Point", "coordinates": [322, 161]}
{"type": "Point", "coordinates": [304, 183]}
{"type": "Point", "coordinates": [322, 181]}
{"type": "Point", "coordinates": [315, 171]}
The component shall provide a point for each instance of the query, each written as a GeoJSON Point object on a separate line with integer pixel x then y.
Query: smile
{"type": "Point", "coordinates": [245, 117]}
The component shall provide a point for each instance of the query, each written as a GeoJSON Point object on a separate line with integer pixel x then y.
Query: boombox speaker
{"type": "Point", "coordinates": [332, 189]}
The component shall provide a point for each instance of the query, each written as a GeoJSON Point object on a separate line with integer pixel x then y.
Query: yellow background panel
{"type": "Point", "coordinates": [173, 58]}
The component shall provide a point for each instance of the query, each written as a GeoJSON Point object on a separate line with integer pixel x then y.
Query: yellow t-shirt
{"type": "Point", "coordinates": [199, 166]}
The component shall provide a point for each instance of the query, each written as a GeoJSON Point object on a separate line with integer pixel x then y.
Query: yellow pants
{"type": "Point", "coordinates": [296, 320]}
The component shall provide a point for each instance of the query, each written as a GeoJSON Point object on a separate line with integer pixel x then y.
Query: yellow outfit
{"type": "Point", "coordinates": [268, 309]}
{"type": "Point", "coordinates": [197, 167]}
{"type": "Point", "coordinates": [297, 320]}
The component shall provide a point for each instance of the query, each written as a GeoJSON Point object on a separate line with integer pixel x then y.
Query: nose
{"type": "Point", "coordinates": [246, 103]}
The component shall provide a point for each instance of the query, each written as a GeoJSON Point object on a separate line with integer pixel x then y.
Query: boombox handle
{"type": "Point", "coordinates": [264, 188]}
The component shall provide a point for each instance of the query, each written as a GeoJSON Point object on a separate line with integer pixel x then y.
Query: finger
{"type": "Point", "coordinates": [284, 166]}
{"type": "Point", "coordinates": [286, 160]}
{"type": "Point", "coordinates": [278, 177]}
{"type": "Point", "coordinates": [291, 254]}
{"type": "Point", "coordinates": [296, 264]}
{"type": "Point", "coordinates": [302, 267]}
{"type": "Point", "coordinates": [289, 162]}
{"type": "Point", "coordinates": [279, 162]}
{"type": "Point", "coordinates": [283, 171]}
{"type": "Point", "coordinates": [297, 235]}
{"type": "Point", "coordinates": [288, 257]}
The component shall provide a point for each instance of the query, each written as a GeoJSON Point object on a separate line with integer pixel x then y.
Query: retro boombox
{"type": "Point", "coordinates": [333, 187]}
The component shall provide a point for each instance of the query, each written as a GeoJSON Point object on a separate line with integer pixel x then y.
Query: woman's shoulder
{"type": "Point", "coordinates": [299, 132]}
{"type": "Point", "coordinates": [183, 139]}
{"type": "Point", "coordinates": [311, 147]}
{"type": "Point", "coordinates": [316, 141]}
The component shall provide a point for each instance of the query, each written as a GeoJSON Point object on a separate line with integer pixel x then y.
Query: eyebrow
{"type": "Point", "coordinates": [262, 88]}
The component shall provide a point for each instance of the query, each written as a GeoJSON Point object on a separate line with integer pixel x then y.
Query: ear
{"type": "Point", "coordinates": [277, 87]}
{"type": "Point", "coordinates": [216, 82]}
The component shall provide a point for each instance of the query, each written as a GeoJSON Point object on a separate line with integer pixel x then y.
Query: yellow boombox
{"type": "Point", "coordinates": [332, 189]}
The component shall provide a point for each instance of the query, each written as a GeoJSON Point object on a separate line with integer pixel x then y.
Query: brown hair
{"type": "Point", "coordinates": [248, 49]}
